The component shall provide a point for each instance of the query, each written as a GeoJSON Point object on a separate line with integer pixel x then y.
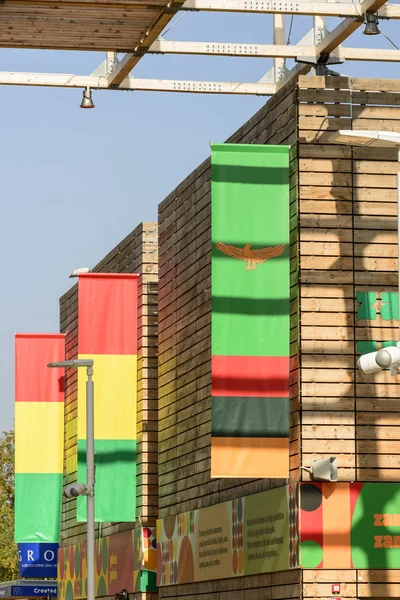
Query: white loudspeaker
{"type": "Point", "coordinates": [367, 363]}
{"type": "Point", "coordinates": [325, 469]}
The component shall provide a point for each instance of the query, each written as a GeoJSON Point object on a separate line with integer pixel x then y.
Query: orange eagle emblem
{"type": "Point", "coordinates": [252, 257]}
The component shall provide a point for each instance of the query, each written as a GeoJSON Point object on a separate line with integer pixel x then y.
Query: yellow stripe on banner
{"type": "Point", "coordinates": [39, 434]}
{"type": "Point", "coordinates": [115, 397]}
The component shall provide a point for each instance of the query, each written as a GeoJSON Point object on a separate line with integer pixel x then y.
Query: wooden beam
{"type": "Point", "coordinates": [230, 49]}
{"type": "Point", "coordinates": [367, 54]}
{"type": "Point", "coordinates": [134, 84]}
{"type": "Point", "coordinates": [270, 51]}
{"type": "Point", "coordinates": [279, 38]}
{"type": "Point", "coordinates": [302, 7]}
{"type": "Point", "coordinates": [319, 29]}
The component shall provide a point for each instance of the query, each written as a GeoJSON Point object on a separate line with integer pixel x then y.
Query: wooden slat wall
{"type": "Point", "coordinates": [379, 583]}
{"type": "Point", "coordinates": [279, 586]}
{"type": "Point", "coordinates": [318, 583]}
{"type": "Point", "coordinates": [348, 245]}
{"type": "Point", "coordinates": [137, 253]}
{"type": "Point", "coordinates": [185, 329]}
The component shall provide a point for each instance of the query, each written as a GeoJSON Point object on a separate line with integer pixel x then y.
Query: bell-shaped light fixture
{"type": "Point", "coordinates": [87, 101]}
{"type": "Point", "coordinates": [371, 24]}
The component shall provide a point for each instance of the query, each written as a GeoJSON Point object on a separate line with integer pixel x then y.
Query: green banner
{"type": "Point", "coordinates": [250, 310]}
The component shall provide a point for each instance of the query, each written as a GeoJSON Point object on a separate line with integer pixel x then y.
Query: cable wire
{"type": "Point", "coordinates": [290, 30]}
{"type": "Point", "coordinates": [388, 39]}
{"type": "Point", "coordinates": [174, 23]}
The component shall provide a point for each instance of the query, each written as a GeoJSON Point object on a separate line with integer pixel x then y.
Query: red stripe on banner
{"type": "Point", "coordinates": [260, 376]}
{"type": "Point", "coordinates": [107, 313]}
{"type": "Point", "coordinates": [34, 380]}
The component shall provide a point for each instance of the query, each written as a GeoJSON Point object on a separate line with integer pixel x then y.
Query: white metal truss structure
{"type": "Point", "coordinates": [135, 26]}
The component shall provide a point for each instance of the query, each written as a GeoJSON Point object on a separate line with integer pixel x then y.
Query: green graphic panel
{"type": "Point", "coordinates": [311, 554]}
{"type": "Point", "coordinates": [375, 532]}
{"type": "Point", "coordinates": [250, 206]}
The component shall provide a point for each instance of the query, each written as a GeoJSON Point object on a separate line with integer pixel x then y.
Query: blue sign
{"type": "Point", "coordinates": [34, 590]}
{"type": "Point", "coordinates": [38, 560]}
{"type": "Point", "coordinates": [28, 588]}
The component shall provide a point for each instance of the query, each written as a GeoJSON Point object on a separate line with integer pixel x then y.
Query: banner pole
{"type": "Point", "coordinates": [90, 483]}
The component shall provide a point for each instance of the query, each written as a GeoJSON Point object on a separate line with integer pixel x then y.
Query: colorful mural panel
{"type": "Point", "coordinates": [124, 561]}
{"type": "Point", "coordinates": [350, 525]}
{"type": "Point", "coordinates": [255, 534]}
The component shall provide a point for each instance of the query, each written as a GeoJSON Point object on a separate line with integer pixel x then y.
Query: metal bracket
{"type": "Point", "coordinates": [101, 70]}
{"type": "Point", "coordinates": [269, 76]}
{"type": "Point", "coordinates": [323, 71]}
{"type": "Point", "coordinates": [111, 62]}
{"type": "Point", "coordinates": [323, 59]}
{"type": "Point", "coordinates": [320, 65]}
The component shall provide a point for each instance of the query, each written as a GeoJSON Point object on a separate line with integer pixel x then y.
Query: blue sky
{"type": "Point", "coordinates": [75, 182]}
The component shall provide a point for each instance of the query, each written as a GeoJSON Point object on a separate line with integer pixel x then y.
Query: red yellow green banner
{"type": "Point", "coordinates": [39, 436]}
{"type": "Point", "coordinates": [107, 333]}
{"type": "Point", "coordinates": [250, 311]}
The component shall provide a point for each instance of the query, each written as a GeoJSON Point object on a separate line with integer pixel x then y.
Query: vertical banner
{"type": "Point", "coordinates": [39, 436]}
{"type": "Point", "coordinates": [250, 311]}
{"type": "Point", "coordinates": [107, 332]}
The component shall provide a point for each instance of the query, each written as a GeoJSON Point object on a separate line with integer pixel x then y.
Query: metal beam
{"type": "Point", "coordinates": [133, 84]}
{"type": "Point", "coordinates": [301, 7]}
{"type": "Point", "coordinates": [270, 51]}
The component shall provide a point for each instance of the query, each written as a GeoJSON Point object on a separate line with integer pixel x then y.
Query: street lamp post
{"type": "Point", "coordinates": [375, 361]}
{"type": "Point", "coordinates": [88, 489]}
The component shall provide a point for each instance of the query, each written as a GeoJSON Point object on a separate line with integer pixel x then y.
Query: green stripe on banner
{"type": "Point", "coordinates": [115, 487]}
{"type": "Point", "coordinates": [250, 205]}
{"type": "Point", "coordinates": [250, 417]}
{"type": "Point", "coordinates": [38, 507]}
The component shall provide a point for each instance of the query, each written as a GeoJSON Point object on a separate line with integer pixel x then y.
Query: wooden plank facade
{"type": "Point", "coordinates": [343, 302]}
{"type": "Point", "coordinates": [344, 273]}
{"type": "Point", "coordinates": [348, 273]}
